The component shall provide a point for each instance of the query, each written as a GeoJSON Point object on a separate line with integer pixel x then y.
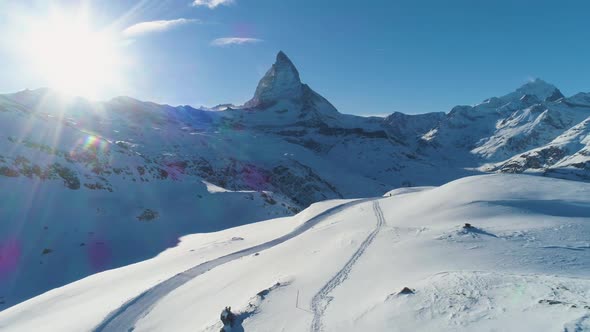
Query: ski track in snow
{"type": "Point", "coordinates": [321, 300]}
{"type": "Point", "coordinates": [125, 317]}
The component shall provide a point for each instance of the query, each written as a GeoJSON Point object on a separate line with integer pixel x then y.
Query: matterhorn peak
{"type": "Point", "coordinates": [284, 63]}
{"type": "Point", "coordinates": [281, 81]}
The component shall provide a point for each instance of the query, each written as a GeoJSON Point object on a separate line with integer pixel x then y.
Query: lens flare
{"type": "Point", "coordinates": [10, 254]}
{"type": "Point", "coordinates": [99, 255]}
{"type": "Point", "coordinates": [70, 55]}
{"type": "Point", "coordinates": [95, 143]}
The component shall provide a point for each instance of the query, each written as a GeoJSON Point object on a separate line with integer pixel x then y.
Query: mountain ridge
{"type": "Point", "coordinates": [81, 170]}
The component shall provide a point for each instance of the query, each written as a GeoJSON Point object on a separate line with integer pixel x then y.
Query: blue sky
{"type": "Point", "coordinates": [366, 57]}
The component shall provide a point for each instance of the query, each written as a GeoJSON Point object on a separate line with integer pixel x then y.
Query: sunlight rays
{"type": "Point", "coordinates": [71, 55]}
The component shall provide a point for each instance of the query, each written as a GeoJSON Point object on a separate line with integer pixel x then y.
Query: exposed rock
{"type": "Point", "coordinates": [281, 81]}
{"type": "Point", "coordinates": [407, 291]}
{"type": "Point", "coordinates": [148, 215]}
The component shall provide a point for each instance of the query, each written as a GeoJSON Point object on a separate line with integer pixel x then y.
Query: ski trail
{"type": "Point", "coordinates": [321, 300]}
{"type": "Point", "coordinates": [125, 317]}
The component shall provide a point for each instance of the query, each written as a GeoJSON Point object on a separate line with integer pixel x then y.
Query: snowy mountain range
{"type": "Point", "coordinates": [89, 186]}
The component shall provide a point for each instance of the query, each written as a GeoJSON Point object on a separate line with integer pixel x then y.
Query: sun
{"type": "Point", "coordinates": [71, 56]}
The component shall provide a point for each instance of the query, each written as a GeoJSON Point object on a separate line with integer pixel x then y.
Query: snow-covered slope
{"type": "Point", "coordinates": [88, 186]}
{"type": "Point", "coordinates": [568, 155]}
{"type": "Point", "coordinates": [341, 266]}
{"type": "Point", "coordinates": [499, 128]}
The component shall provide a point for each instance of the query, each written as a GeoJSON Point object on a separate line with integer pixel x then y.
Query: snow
{"type": "Point", "coordinates": [128, 315]}
{"type": "Point", "coordinates": [568, 150]}
{"type": "Point", "coordinates": [538, 88]}
{"type": "Point", "coordinates": [281, 81]}
{"type": "Point", "coordinates": [213, 189]}
{"type": "Point", "coordinates": [100, 185]}
{"type": "Point", "coordinates": [407, 190]}
{"type": "Point", "coordinates": [523, 267]}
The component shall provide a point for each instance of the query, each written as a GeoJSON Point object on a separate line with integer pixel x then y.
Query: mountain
{"type": "Point", "coordinates": [567, 156]}
{"type": "Point", "coordinates": [90, 186]}
{"type": "Point", "coordinates": [403, 262]}
{"type": "Point", "coordinates": [500, 128]}
{"type": "Point", "coordinates": [281, 81]}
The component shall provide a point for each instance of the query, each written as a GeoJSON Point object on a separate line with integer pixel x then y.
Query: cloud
{"type": "Point", "coordinates": [234, 41]}
{"type": "Point", "coordinates": [155, 26]}
{"type": "Point", "coordinates": [212, 3]}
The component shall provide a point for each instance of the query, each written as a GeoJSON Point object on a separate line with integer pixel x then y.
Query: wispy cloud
{"type": "Point", "coordinates": [234, 41]}
{"type": "Point", "coordinates": [155, 26]}
{"type": "Point", "coordinates": [212, 3]}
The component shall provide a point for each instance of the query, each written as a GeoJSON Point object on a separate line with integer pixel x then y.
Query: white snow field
{"type": "Point", "coordinates": [340, 266]}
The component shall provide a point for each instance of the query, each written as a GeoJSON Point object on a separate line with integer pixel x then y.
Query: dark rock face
{"type": "Point", "coordinates": [281, 81]}
{"type": "Point", "coordinates": [148, 215]}
{"type": "Point", "coordinates": [406, 291]}
{"type": "Point", "coordinates": [555, 96]}
{"type": "Point", "coordinates": [302, 184]}
{"type": "Point", "coordinates": [530, 99]}
{"type": "Point", "coordinates": [328, 131]}
{"type": "Point", "coordinates": [535, 160]}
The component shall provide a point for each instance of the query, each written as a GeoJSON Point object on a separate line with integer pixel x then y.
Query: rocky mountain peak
{"type": "Point", "coordinates": [281, 81]}
{"type": "Point", "coordinates": [538, 88]}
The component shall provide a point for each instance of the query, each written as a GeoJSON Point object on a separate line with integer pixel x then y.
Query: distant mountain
{"type": "Point", "coordinates": [565, 156]}
{"type": "Point", "coordinates": [89, 186]}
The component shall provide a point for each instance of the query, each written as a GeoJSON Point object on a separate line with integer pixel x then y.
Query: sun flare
{"type": "Point", "coordinates": [72, 57]}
